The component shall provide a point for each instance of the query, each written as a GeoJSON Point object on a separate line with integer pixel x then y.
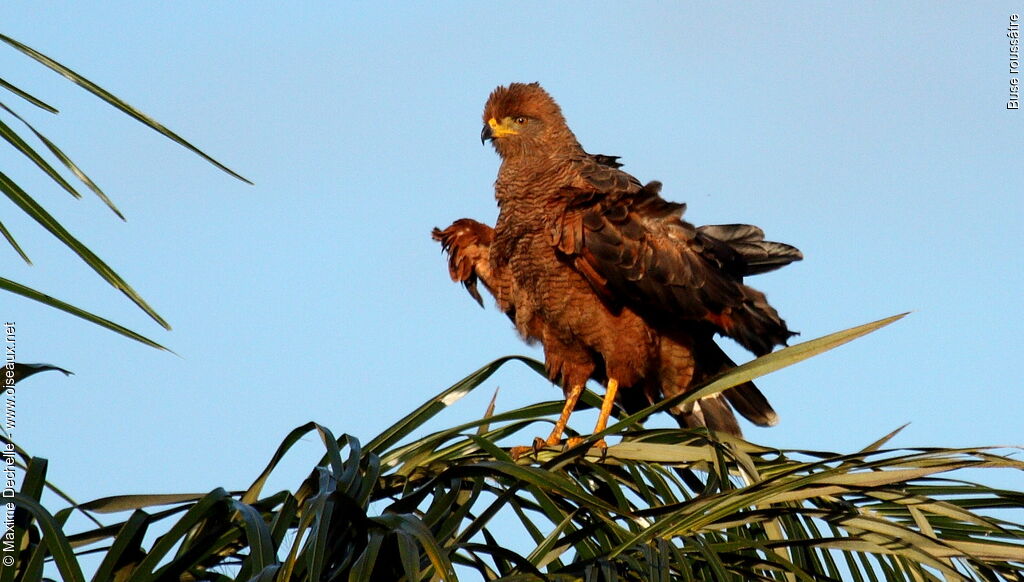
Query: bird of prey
{"type": "Point", "coordinates": [608, 277]}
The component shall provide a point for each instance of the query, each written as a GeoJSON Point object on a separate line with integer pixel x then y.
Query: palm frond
{"type": "Point", "coordinates": [661, 505]}
{"type": "Point", "coordinates": [38, 159]}
{"type": "Point", "coordinates": [116, 102]}
{"type": "Point", "coordinates": [27, 292]}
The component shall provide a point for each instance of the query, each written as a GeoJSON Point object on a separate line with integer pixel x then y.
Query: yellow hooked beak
{"type": "Point", "coordinates": [495, 130]}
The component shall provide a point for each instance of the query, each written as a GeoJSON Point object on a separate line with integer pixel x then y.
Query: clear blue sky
{"type": "Point", "coordinates": [875, 139]}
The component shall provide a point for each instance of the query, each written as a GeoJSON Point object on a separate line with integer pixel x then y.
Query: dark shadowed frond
{"type": "Point", "coordinates": [660, 506]}
{"type": "Point", "coordinates": [39, 152]}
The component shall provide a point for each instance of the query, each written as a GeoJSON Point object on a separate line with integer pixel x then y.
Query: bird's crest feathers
{"type": "Point", "coordinates": [521, 99]}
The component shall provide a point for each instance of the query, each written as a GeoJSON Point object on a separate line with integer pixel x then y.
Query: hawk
{"type": "Point", "coordinates": [608, 277]}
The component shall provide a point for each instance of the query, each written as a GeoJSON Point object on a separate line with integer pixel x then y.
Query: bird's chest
{"type": "Point", "coordinates": [545, 285]}
{"type": "Point", "coordinates": [522, 241]}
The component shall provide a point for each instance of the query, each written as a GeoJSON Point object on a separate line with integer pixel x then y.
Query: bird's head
{"type": "Point", "coordinates": [522, 118]}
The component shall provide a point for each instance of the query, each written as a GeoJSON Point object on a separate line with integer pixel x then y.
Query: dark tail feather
{"type": "Point", "coordinates": [759, 255]}
{"type": "Point", "coordinates": [756, 325]}
{"type": "Point", "coordinates": [714, 413]}
{"type": "Point", "coordinates": [746, 398]}
{"type": "Point", "coordinates": [751, 403]}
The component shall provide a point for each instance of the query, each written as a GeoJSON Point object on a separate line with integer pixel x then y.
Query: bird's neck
{"type": "Point", "coordinates": [527, 186]}
{"type": "Point", "coordinates": [533, 173]}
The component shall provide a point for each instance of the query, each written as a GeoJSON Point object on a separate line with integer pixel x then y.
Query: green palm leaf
{"type": "Point", "coordinates": [115, 102]}
{"type": "Point", "coordinates": [33, 209]}
{"type": "Point", "coordinates": [662, 505]}
{"type": "Point", "coordinates": [29, 293]}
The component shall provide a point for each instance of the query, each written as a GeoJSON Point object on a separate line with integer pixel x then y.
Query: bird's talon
{"type": "Point", "coordinates": [538, 445]}
{"type": "Point", "coordinates": [516, 452]}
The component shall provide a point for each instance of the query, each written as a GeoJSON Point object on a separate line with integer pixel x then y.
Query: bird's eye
{"type": "Point", "coordinates": [520, 120]}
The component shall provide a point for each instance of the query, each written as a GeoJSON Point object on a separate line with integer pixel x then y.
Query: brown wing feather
{"type": "Point", "coordinates": [467, 243]}
{"type": "Point", "coordinates": [662, 265]}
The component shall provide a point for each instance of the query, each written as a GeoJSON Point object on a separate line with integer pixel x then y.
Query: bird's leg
{"type": "Point", "coordinates": [571, 398]}
{"type": "Point", "coordinates": [606, 410]}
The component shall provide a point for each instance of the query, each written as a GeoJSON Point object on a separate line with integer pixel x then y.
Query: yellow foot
{"type": "Point", "coordinates": [538, 444]}
{"type": "Point", "coordinates": [516, 452]}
